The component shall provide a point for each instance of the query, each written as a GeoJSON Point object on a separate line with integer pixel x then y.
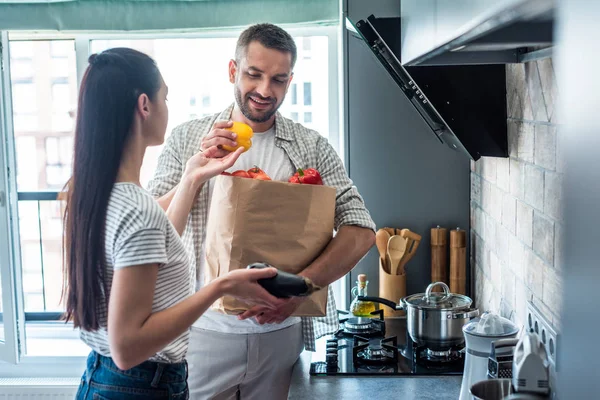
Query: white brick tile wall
{"type": "Point", "coordinates": [516, 202]}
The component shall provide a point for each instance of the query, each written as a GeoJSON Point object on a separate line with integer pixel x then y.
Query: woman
{"type": "Point", "coordinates": [128, 279]}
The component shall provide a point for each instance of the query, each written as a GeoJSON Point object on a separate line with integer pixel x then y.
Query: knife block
{"type": "Point", "coordinates": [391, 287]}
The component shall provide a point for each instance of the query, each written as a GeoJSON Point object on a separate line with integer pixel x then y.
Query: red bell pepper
{"type": "Point", "coordinates": [308, 176]}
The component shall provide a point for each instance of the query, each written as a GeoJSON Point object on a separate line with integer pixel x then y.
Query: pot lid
{"type": "Point", "coordinates": [436, 300]}
{"type": "Point", "coordinates": [490, 324]}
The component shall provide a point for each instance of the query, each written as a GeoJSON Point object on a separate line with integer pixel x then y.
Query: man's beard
{"type": "Point", "coordinates": [247, 111]}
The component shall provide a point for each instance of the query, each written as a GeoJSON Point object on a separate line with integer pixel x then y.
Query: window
{"type": "Point", "coordinates": [24, 98]}
{"type": "Point", "coordinates": [61, 106]}
{"type": "Point", "coordinates": [306, 48]}
{"type": "Point", "coordinates": [43, 83]}
{"type": "Point", "coordinates": [58, 161]}
{"type": "Point", "coordinates": [206, 101]}
{"type": "Point", "coordinates": [22, 69]}
{"type": "Point", "coordinates": [294, 93]}
{"type": "Point", "coordinates": [307, 93]}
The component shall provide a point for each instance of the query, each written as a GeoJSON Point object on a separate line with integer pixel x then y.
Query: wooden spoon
{"type": "Point", "coordinates": [381, 241]}
{"type": "Point", "coordinates": [396, 250]}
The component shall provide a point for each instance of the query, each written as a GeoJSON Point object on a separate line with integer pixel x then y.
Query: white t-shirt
{"type": "Point", "coordinates": [277, 165]}
{"type": "Point", "coordinates": [138, 232]}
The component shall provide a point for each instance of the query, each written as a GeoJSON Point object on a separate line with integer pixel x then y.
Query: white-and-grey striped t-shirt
{"type": "Point", "coordinates": [138, 232]}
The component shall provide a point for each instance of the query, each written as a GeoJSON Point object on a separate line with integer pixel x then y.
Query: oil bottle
{"type": "Point", "coordinates": [361, 308]}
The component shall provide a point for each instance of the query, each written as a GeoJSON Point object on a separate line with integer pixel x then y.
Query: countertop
{"type": "Point", "coordinates": [305, 387]}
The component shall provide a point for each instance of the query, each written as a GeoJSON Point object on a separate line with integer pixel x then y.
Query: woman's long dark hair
{"type": "Point", "coordinates": [108, 97]}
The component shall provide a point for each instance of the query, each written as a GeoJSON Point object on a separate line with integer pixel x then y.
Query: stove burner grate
{"type": "Point", "coordinates": [382, 351]}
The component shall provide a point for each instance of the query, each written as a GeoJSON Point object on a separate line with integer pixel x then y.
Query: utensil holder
{"type": "Point", "coordinates": [391, 287]}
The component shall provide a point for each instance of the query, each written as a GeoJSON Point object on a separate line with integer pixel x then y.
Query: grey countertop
{"type": "Point", "coordinates": [306, 387]}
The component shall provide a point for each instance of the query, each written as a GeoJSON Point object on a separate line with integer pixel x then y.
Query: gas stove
{"type": "Point", "coordinates": [374, 346]}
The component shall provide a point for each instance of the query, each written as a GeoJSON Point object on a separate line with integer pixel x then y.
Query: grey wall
{"type": "Point", "coordinates": [406, 176]}
{"type": "Point", "coordinates": [578, 80]}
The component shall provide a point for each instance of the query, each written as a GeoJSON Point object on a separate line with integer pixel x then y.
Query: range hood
{"type": "Point", "coordinates": [463, 105]}
{"type": "Point", "coordinates": [460, 32]}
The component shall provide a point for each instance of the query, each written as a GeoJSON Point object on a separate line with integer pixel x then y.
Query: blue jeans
{"type": "Point", "coordinates": [103, 380]}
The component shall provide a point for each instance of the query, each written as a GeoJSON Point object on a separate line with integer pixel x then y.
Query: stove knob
{"type": "Point", "coordinates": [331, 359]}
{"type": "Point", "coordinates": [332, 346]}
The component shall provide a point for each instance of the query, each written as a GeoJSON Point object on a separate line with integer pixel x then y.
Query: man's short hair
{"type": "Point", "coordinates": [270, 36]}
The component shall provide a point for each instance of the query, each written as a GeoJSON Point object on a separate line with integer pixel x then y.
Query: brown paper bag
{"type": "Point", "coordinates": [391, 287]}
{"type": "Point", "coordinates": [286, 225]}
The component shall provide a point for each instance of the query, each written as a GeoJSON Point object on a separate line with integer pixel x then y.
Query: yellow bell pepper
{"type": "Point", "coordinates": [244, 135]}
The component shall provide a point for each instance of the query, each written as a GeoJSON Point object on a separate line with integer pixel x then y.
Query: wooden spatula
{"type": "Point", "coordinates": [381, 241]}
{"type": "Point", "coordinates": [391, 231]}
{"type": "Point", "coordinates": [412, 243]}
{"type": "Point", "coordinates": [396, 250]}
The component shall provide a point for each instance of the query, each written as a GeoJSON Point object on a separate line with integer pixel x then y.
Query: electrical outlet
{"type": "Point", "coordinates": [537, 323]}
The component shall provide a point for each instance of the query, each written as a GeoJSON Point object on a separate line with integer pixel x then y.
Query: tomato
{"type": "Point", "coordinates": [257, 173]}
{"type": "Point", "coordinates": [241, 173]}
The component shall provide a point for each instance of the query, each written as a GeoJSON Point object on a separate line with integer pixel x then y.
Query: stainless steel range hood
{"type": "Point", "coordinates": [464, 105]}
{"type": "Point", "coordinates": [442, 32]}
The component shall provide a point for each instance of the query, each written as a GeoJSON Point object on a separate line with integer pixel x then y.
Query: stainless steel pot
{"type": "Point", "coordinates": [434, 319]}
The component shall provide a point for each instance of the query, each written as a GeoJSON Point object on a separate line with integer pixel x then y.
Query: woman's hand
{"type": "Point", "coordinates": [242, 284]}
{"type": "Point", "coordinates": [206, 164]}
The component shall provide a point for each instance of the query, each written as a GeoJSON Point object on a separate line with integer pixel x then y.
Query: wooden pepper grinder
{"type": "Point", "coordinates": [458, 261]}
{"type": "Point", "coordinates": [439, 256]}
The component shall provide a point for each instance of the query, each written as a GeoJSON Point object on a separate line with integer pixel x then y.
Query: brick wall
{"type": "Point", "coordinates": [516, 216]}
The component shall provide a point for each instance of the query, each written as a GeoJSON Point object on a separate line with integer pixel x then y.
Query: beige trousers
{"type": "Point", "coordinates": [225, 366]}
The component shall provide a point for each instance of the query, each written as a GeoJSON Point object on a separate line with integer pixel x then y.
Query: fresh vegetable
{"type": "Point", "coordinates": [244, 136]}
{"type": "Point", "coordinates": [308, 176]}
{"type": "Point", "coordinates": [285, 284]}
{"type": "Point", "coordinates": [241, 173]}
{"type": "Point", "coordinates": [253, 173]}
{"type": "Point", "coordinates": [257, 173]}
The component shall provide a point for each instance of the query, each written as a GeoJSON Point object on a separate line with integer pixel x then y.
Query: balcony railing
{"type": "Point", "coordinates": [41, 233]}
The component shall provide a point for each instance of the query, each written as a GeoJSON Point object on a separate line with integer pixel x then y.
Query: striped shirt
{"type": "Point", "coordinates": [305, 148]}
{"type": "Point", "coordinates": [138, 232]}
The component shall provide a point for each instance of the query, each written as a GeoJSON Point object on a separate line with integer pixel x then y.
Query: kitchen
{"type": "Point", "coordinates": [510, 205]}
{"type": "Point", "coordinates": [516, 215]}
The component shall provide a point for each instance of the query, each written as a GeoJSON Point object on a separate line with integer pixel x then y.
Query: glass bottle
{"type": "Point", "coordinates": [361, 308]}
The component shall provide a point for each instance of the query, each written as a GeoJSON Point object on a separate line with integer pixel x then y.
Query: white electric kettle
{"type": "Point", "coordinates": [479, 335]}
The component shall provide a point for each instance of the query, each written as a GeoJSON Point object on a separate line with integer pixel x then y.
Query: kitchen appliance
{"type": "Point", "coordinates": [529, 374]}
{"type": "Point", "coordinates": [500, 361]}
{"type": "Point", "coordinates": [434, 320]}
{"type": "Point", "coordinates": [374, 346]}
{"type": "Point", "coordinates": [479, 335]}
{"type": "Point", "coordinates": [500, 389]}
{"type": "Point", "coordinates": [463, 105]}
{"type": "Point", "coordinates": [530, 366]}
{"type": "Point", "coordinates": [493, 389]}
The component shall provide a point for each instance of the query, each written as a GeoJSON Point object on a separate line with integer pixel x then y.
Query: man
{"type": "Point", "coordinates": [252, 356]}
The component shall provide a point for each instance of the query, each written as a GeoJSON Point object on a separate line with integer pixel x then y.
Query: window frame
{"type": "Point", "coordinates": [82, 43]}
{"type": "Point", "coordinates": [13, 318]}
